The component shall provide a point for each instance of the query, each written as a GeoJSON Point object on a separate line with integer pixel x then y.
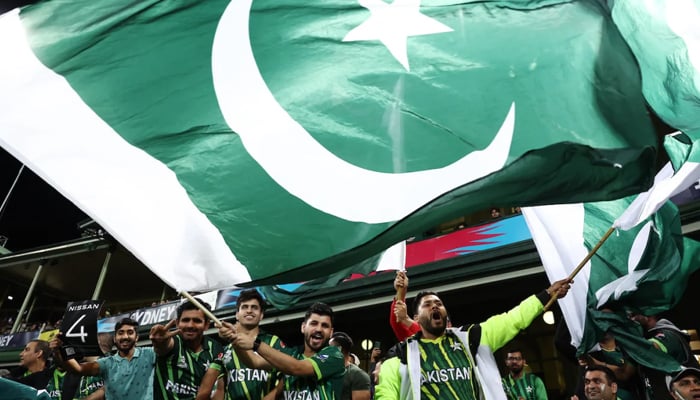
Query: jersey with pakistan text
{"type": "Point", "coordinates": [326, 384]}
{"type": "Point", "coordinates": [446, 370]}
{"type": "Point", "coordinates": [243, 382]}
{"type": "Point", "coordinates": [179, 372]}
{"type": "Point", "coordinates": [89, 385]}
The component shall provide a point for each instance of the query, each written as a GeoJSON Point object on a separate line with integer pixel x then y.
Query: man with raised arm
{"type": "Point", "coordinates": [439, 362]}
{"type": "Point", "coordinates": [128, 374]}
{"type": "Point", "coordinates": [184, 355]}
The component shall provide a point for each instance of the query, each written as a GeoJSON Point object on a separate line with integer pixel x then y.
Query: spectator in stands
{"type": "Point", "coordinates": [685, 385]}
{"type": "Point", "coordinates": [611, 356]}
{"type": "Point", "coordinates": [310, 371]}
{"type": "Point", "coordinates": [495, 213]}
{"type": "Point", "coordinates": [128, 374]}
{"type": "Point", "coordinates": [375, 356]}
{"type": "Point", "coordinates": [519, 384]}
{"type": "Point", "coordinates": [183, 354]}
{"type": "Point", "coordinates": [667, 337]}
{"type": "Point", "coordinates": [436, 349]}
{"type": "Point", "coordinates": [34, 365]}
{"type": "Point", "coordinates": [242, 382]}
{"type": "Point", "coordinates": [356, 384]}
{"type": "Point", "coordinates": [599, 384]}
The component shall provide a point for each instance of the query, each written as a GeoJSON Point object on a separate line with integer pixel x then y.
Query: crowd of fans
{"type": "Point", "coordinates": [434, 358]}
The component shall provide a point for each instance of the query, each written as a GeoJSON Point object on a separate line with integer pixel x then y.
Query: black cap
{"type": "Point", "coordinates": [684, 371]}
{"type": "Point", "coordinates": [342, 339]}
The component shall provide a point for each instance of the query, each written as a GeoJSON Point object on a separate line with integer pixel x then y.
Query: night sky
{"type": "Point", "coordinates": [35, 214]}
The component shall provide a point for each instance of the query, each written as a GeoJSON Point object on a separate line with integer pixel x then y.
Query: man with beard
{"type": "Point", "coordinates": [314, 370]}
{"type": "Point", "coordinates": [128, 374]}
{"type": "Point", "coordinates": [521, 385]}
{"type": "Point", "coordinates": [242, 382]}
{"type": "Point", "coordinates": [599, 384]}
{"type": "Point", "coordinates": [439, 363]}
{"type": "Point", "coordinates": [184, 354]}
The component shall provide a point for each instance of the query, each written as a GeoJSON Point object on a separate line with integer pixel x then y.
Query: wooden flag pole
{"type": "Point", "coordinates": [199, 305]}
{"type": "Point", "coordinates": [401, 294]}
{"type": "Point", "coordinates": [581, 264]}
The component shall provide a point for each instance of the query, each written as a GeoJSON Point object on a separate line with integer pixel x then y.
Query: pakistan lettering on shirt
{"type": "Point", "coordinates": [327, 384]}
{"type": "Point", "coordinates": [446, 372]}
{"type": "Point", "coordinates": [89, 385]}
{"type": "Point", "coordinates": [178, 373]}
{"type": "Point", "coordinates": [61, 385]}
{"type": "Point", "coordinates": [243, 382]}
{"type": "Point", "coordinates": [53, 388]}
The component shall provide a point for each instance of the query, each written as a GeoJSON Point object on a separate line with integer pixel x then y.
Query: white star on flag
{"type": "Point", "coordinates": [392, 24]}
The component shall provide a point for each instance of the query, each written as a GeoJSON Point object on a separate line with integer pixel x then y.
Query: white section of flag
{"type": "Point", "coordinates": [557, 231]}
{"type": "Point", "coordinates": [136, 198]}
{"type": "Point", "coordinates": [393, 258]}
{"type": "Point", "coordinates": [666, 185]}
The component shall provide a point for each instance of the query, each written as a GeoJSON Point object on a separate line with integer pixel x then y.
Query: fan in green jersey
{"type": "Point", "coordinates": [519, 384]}
{"type": "Point", "coordinates": [441, 363]}
{"type": "Point", "coordinates": [243, 382]}
{"type": "Point", "coordinates": [314, 370]}
{"type": "Point", "coordinates": [184, 354]}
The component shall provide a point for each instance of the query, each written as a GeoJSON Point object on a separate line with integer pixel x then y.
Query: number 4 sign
{"type": "Point", "coordinates": [79, 327]}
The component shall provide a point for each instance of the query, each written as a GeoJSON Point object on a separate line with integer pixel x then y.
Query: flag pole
{"type": "Point", "coordinates": [199, 305]}
{"type": "Point", "coordinates": [582, 264]}
{"type": "Point", "coordinates": [401, 292]}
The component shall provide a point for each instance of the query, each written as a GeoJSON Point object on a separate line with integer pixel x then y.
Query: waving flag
{"type": "Point", "coordinates": [223, 142]}
{"type": "Point", "coordinates": [645, 269]}
{"type": "Point", "coordinates": [664, 36]}
{"type": "Point", "coordinates": [680, 173]}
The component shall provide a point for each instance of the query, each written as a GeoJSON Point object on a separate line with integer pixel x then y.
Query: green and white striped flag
{"type": "Point", "coordinates": [223, 142]}
{"type": "Point", "coordinates": [645, 269]}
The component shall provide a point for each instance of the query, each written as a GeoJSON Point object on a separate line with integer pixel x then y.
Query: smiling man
{"type": "Point", "coordinates": [438, 362]}
{"type": "Point", "coordinates": [599, 383]}
{"type": "Point", "coordinates": [128, 374]}
{"type": "Point", "coordinates": [242, 382]}
{"type": "Point", "coordinates": [184, 354]}
{"type": "Point", "coordinates": [314, 370]}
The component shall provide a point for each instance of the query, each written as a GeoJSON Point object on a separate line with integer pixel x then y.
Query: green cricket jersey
{"type": "Point", "coordinates": [326, 384]}
{"type": "Point", "coordinates": [179, 372]}
{"type": "Point", "coordinates": [243, 382]}
{"type": "Point", "coordinates": [528, 387]}
{"type": "Point", "coordinates": [443, 368]}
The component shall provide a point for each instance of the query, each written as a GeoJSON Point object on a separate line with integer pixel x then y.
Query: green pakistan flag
{"type": "Point", "coordinates": [279, 141]}
{"type": "Point", "coordinates": [644, 270]}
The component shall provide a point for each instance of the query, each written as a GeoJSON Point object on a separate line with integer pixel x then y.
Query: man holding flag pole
{"type": "Point", "coordinates": [184, 354]}
{"type": "Point", "coordinates": [644, 267]}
